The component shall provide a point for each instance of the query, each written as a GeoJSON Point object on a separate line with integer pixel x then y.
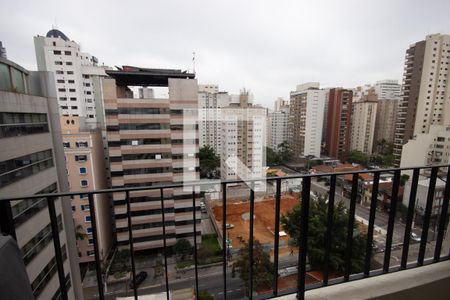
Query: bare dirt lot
{"type": "Point", "coordinates": [264, 219]}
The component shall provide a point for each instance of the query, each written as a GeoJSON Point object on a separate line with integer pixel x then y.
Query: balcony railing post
{"type": "Point", "coordinates": [390, 229]}
{"type": "Point", "coordinates": [164, 243]}
{"type": "Point", "coordinates": [328, 235]}
{"type": "Point", "coordinates": [224, 238]}
{"type": "Point", "coordinates": [98, 265]}
{"type": "Point", "coordinates": [277, 236]}
{"type": "Point", "coordinates": [130, 236]}
{"type": "Point", "coordinates": [195, 241]}
{"type": "Point", "coordinates": [57, 246]}
{"type": "Point", "coordinates": [351, 224]}
{"type": "Point", "coordinates": [373, 209]}
{"type": "Point", "coordinates": [6, 219]}
{"type": "Point", "coordinates": [442, 218]}
{"type": "Point", "coordinates": [427, 216]}
{"type": "Point", "coordinates": [250, 242]}
{"type": "Point", "coordinates": [409, 218]}
{"type": "Point", "coordinates": [302, 251]}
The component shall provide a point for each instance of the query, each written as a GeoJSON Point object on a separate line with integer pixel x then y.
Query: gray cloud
{"type": "Point", "coordinates": [265, 46]}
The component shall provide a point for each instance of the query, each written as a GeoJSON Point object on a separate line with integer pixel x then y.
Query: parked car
{"type": "Point", "coordinates": [140, 277]}
{"type": "Point", "coordinates": [415, 237]}
{"type": "Point", "coordinates": [229, 226]}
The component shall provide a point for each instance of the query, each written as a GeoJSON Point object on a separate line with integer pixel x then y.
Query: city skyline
{"type": "Point", "coordinates": [265, 54]}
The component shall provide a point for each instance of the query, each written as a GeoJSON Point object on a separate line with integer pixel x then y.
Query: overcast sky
{"type": "Point", "coordinates": [267, 47]}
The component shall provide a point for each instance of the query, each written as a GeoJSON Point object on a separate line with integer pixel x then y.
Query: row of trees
{"type": "Point", "coordinates": [209, 162]}
{"type": "Point", "coordinates": [382, 156]}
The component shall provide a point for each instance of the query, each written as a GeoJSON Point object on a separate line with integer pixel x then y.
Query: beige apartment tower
{"type": "Point", "coordinates": [85, 164]}
{"type": "Point", "coordinates": [363, 120]}
{"type": "Point", "coordinates": [153, 141]}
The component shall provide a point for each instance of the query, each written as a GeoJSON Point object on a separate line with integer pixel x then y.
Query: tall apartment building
{"type": "Point", "coordinates": [388, 89]}
{"type": "Point", "coordinates": [337, 141]}
{"type": "Point", "coordinates": [2, 51]}
{"type": "Point", "coordinates": [31, 146]}
{"type": "Point", "coordinates": [85, 164]}
{"type": "Point", "coordinates": [306, 119]}
{"type": "Point", "coordinates": [210, 102]}
{"type": "Point", "coordinates": [76, 76]}
{"type": "Point", "coordinates": [363, 121]}
{"type": "Point", "coordinates": [425, 98]}
{"type": "Point", "coordinates": [386, 119]}
{"type": "Point", "coordinates": [243, 140]}
{"type": "Point", "coordinates": [153, 141]}
{"type": "Point", "coordinates": [279, 104]}
{"type": "Point", "coordinates": [277, 128]}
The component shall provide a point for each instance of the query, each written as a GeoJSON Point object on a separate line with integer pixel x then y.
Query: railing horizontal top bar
{"type": "Point", "coordinates": [210, 182]}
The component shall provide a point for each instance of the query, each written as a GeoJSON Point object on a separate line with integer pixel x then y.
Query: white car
{"type": "Point", "coordinates": [229, 226]}
{"type": "Point", "coordinates": [415, 237]}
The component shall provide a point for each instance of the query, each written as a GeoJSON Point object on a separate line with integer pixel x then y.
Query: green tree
{"type": "Point", "coordinates": [403, 179]}
{"type": "Point", "coordinates": [357, 157]}
{"type": "Point", "coordinates": [205, 295]}
{"type": "Point", "coordinates": [317, 226]}
{"type": "Point", "coordinates": [182, 247]}
{"type": "Point", "coordinates": [263, 270]}
{"type": "Point", "coordinates": [209, 162]}
{"type": "Point", "coordinates": [272, 157]}
{"type": "Point", "coordinates": [285, 152]}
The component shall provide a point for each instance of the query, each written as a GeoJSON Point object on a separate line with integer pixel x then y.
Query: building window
{"type": "Point", "coordinates": [17, 124]}
{"type": "Point", "coordinates": [66, 144]}
{"type": "Point", "coordinates": [85, 207]}
{"type": "Point", "coordinates": [83, 170]}
{"type": "Point", "coordinates": [69, 72]}
{"type": "Point", "coordinates": [80, 158]}
{"type": "Point", "coordinates": [69, 63]}
{"type": "Point", "coordinates": [67, 52]}
{"type": "Point", "coordinates": [89, 230]}
{"type": "Point", "coordinates": [58, 63]}
{"type": "Point", "coordinates": [74, 208]}
{"type": "Point", "coordinates": [87, 218]}
{"type": "Point", "coordinates": [84, 183]}
{"type": "Point", "coordinates": [91, 242]}
{"type": "Point", "coordinates": [59, 72]}
{"type": "Point", "coordinates": [83, 144]}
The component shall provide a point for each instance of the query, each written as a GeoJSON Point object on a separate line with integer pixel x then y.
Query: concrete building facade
{"type": "Point", "coordinates": [153, 141]}
{"type": "Point", "coordinates": [364, 114]}
{"type": "Point", "coordinates": [306, 119]}
{"type": "Point", "coordinates": [337, 142]}
{"type": "Point", "coordinates": [425, 90]}
{"type": "Point", "coordinates": [76, 75]}
{"type": "Point", "coordinates": [386, 120]}
{"type": "Point", "coordinates": [388, 89]}
{"type": "Point", "coordinates": [210, 103]}
{"type": "Point", "coordinates": [243, 140]}
{"type": "Point", "coordinates": [85, 164]}
{"type": "Point", "coordinates": [277, 127]}
{"type": "Point", "coordinates": [31, 149]}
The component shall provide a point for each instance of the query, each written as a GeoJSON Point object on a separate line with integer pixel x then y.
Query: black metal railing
{"type": "Point", "coordinates": [7, 226]}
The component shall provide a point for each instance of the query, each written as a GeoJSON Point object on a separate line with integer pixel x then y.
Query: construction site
{"type": "Point", "coordinates": [238, 218]}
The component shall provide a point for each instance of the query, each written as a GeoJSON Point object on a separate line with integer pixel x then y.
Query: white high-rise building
{"type": "Point", "coordinates": [210, 102]}
{"type": "Point", "coordinates": [76, 76]}
{"type": "Point", "coordinates": [306, 112]}
{"type": "Point", "coordinates": [243, 140]}
{"type": "Point", "coordinates": [426, 93]}
{"type": "Point", "coordinates": [388, 89]}
{"type": "Point", "coordinates": [362, 131]}
{"type": "Point", "coordinates": [278, 127]}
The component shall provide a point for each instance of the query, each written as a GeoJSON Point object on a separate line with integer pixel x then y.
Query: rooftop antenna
{"type": "Point", "coordinates": [55, 24]}
{"type": "Point", "coordinates": [193, 62]}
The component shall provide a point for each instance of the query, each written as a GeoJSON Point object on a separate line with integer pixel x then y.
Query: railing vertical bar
{"type": "Point", "coordinates": [130, 237]}
{"type": "Point", "coordinates": [277, 235]}
{"type": "Point", "coordinates": [328, 235]}
{"type": "Point", "coordinates": [373, 209]}
{"type": "Point", "coordinates": [98, 265]}
{"type": "Point", "coordinates": [390, 229]}
{"type": "Point", "coordinates": [6, 219]}
{"type": "Point", "coordinates": [427, 216]}
{"type": "Point", "coordinates": [195, 241]}
{"type": "Point", "coordinates": [409, 218]}
{"type": "Point", "coordinates": [250, 242]}
{"type": "Point", "coordinates": [306, 187]}
{"type": "Point", "coordinates": [350, 225]}
{"type": "Point", "coordinates": [224, 238]}
{"type": "Point", "coordinates": [164, 243]}
{"type": "Point", "coordinates": [442, 218]}
{"type": "Point", "coordinates": [57, 246]}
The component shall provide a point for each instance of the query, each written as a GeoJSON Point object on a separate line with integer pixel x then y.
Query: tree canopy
{"type": "Point", "coordinates": [263, 270]}
{"type": "Point", "coordinates": [182, 247]}
{"type": "Point", "coordinates": [357, 157]}
{"type": "Point", "coordinates": [209, 162]}
{"type": "Point", "coordinates": [317, 226]}
{"type": "Point", "coordinates": [282, 155]}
